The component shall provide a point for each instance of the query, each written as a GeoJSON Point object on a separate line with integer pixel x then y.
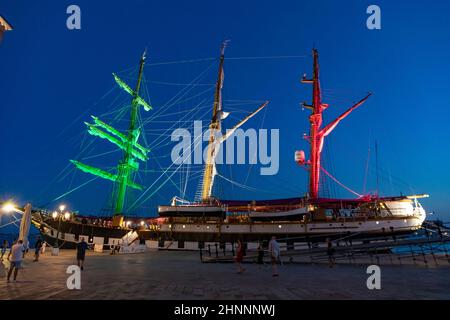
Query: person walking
{"type": "Point", "coordinates": [81, 252]}
{"type": "Point", "coordinates": [274, 251]}
{"type": "Point", "coordinates": [260, 259]}
{"type": "Point", "coordinates": [240, 256]}
{"type": "Point", "coordinates": [15, 256]}
{"type": "Point", "coordinates": [5, 246]}
{"type": "Point", "coordinates": [330, 253]}
{"type": "Point", "coordinates": [37, 249]}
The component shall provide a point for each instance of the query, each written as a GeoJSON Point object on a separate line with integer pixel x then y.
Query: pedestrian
{"type": "Point", "coordinates": [44, 245]}
{"type": "Point", "coordinates": [26, 246]}
{"type": "Point", "coordinates": [37, 249]}
{"type": "Point", "coordinates": [4, 248]}
{"type": "Point", "coordinates": [274, 250]}
{"type": "Point", "coordinates": [81, 252]}
{"type": "Point", "coordinates": [330, 253]}
{"type": "Point", "coordinates": [240, 255]}
{"type": "Point", "coordinates": [15, 256]}
{"type": "Point", "coordinates": [260, 259]}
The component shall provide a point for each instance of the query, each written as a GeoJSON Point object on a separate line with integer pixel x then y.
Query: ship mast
{"type": "Point", "coordinates": [216, 138]}
{"type": "Point", "coordinates": [317, 133]}
{"type": "Point", "coordinates": [214, 128]}
{"type": "Point", "coordinates": [129, 165]}
{"type": "Point", "coordinates": [132, 150]}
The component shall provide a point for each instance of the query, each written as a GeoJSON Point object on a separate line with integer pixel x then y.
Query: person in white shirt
{"type": "Point", "coordinates": [15, 257]}
{"type": "Point", "coordinates": [274, 251]}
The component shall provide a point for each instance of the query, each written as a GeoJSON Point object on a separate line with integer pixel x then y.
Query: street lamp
{"type": "Point", "coordinates": [67, 215]}
{"type": "Point", "coordinates": [59, 216]}
{"type": "Point", "coordinates": [8, 207]}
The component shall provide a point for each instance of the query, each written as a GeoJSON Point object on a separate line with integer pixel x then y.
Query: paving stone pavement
{"type": "Point", "coordinates": [180, 275]}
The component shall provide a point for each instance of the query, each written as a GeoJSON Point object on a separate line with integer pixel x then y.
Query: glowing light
{"type": "Point", "coordinates": [55, 214]}
{"type": "Point", "coordinates": [378, 222]}
{"type": "Point", "coordinates": [128, 223]}
{"type": "Point", "coordinates": [279, 226]}
{"type": "Point", "coordinates": [62, 207]}
{"type": "Point", "coordinates": [142, 223]}
{"type": "Point", "coordinates": [67, 216]}
{"type": "Point", "coordinates": [8, 207]}
{"type": "Point", "coordinates": [184, 226]}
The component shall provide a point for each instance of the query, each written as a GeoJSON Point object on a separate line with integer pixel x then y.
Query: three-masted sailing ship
{"type": "Point", "coordinates": [189, 225]}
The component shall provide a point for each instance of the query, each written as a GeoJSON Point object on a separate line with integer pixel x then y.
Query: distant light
{"type": "Point", "coordinates": [184, 226]}
{"type": "Point", "coordinates": [67, 216]}
{"type": "Point", "coordinates": [9, 207]}
{"type": "Point", "coordinates": [207, 227]}
{"type": "Point", "coordinates": [128, 223]}
{"type": "Point", "coordinates": [55, 214]}
{"type": "Point", "coordinates": [62, 207]}
{"type": "Point", "coordinates": [404, 220]}
{"type": "Point", "coordinates": [279, 226]}
{"type": "Point", "coordinates": [142, 223]}
{"type": "Point", "coordinates": [378, 222]}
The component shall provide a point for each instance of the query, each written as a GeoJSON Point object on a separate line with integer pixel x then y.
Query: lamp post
{"type": "Point", "coordinates": [25, 223]}
{"type": "Point", "coordinates": [59, 215]}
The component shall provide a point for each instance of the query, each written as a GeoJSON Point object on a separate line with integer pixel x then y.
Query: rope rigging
{"type": "Point", "coordinates": [198, 90]}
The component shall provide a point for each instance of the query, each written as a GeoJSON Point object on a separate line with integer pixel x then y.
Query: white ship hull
{"type": "Point", "coordinates": [395, 217]}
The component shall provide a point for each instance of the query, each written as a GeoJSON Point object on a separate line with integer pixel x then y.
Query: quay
{"type": "Point", "coordinates": [180, 275]}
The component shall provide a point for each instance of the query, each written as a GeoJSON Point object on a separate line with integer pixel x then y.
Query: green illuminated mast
{"type": "Point", "coordinates": [132, 150]}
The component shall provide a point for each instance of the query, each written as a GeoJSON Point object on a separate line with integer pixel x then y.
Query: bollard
{"type": "Point", "coordinates": [209, 249]}
{"type": "Point", "coordinates": [217, 251]}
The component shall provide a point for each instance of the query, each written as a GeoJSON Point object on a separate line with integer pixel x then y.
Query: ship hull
{"type": "Point", "coordinates": [289, 230]}
{"type": "Point", "coordinates": [66, 234]}
{"type": "Point", "coordinates": [196, 225]}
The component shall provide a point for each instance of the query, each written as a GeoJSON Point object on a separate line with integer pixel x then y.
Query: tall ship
{"type": "Point", "coordinates": [293, 219]}
{"type": "Point", "coordinates": [185, 224]}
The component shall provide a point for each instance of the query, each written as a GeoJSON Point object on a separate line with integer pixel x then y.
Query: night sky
{"type": "Point", "coordinates": [53, 79]}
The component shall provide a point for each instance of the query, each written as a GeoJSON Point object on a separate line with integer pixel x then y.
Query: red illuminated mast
{"type": "Point", "coordinates": [317, 133]}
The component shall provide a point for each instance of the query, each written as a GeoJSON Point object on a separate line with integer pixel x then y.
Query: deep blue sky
{"type": "Point", "coordinates": [52, 76]}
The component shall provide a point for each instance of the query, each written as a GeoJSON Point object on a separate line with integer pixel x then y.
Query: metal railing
{"type": "Point", "coordinates": [427, 249]}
